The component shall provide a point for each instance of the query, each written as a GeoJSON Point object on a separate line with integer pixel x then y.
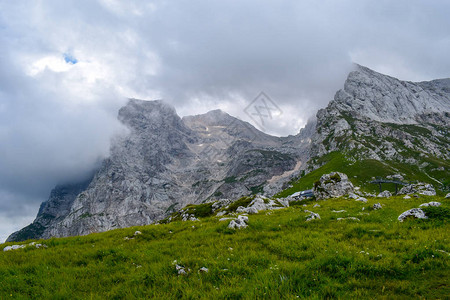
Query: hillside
{"type": "Point", "coordinates": [278, 256]}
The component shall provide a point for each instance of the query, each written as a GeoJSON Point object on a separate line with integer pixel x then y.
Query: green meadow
{"type": "Point", "coordinates": [278, 256]}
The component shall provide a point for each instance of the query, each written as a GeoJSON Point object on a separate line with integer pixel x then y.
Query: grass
{"type": "Point", "coordinates": [279, 256]}
{"type": "Point", "coordinates": [360, 173]}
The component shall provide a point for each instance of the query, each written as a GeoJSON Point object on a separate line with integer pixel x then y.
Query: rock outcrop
{"type": "Point", "coordinates": [418, 188]}
{"type": "Point", "coordinates": [332, 185]}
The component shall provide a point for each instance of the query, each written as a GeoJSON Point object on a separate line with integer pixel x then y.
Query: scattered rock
{"type": "Point", "coordinates": [316, 205]}
{"type": "Point", "coordinates": [377, 206]}
{"type": "Point", "coordinates": [181, 270]}
{"type": "Point", "coordinates": [221, 203]}
{"type": "Point", "coordinates": [189, 217]}
{"type": "Point", "coordinates": [221, 213]}
{"type": "Point", "coordinates": [203, 270]}
{"type": "Point", "coordinates": [384, 194]}
{"type": "Point", "coordinates": [432, 203]}
{"type": "Point", "coordinates": [239, 223]}
{"type": "Point", "coordinates": [415, 212]}
{"type": "Point", "coordinates": [224, 219]}
{"type": "Point", "coordinates": [420, 188]}
{"type": "Point", "coordinates": [362, 199]}
{"type": "Point", "coordinates": [447, 196]}
{"type": "Point", "coordinates": [332, 185]}
{"type": "Point", "coordinates": [338, 211]}
{"type": "Point", "coordinates": [261, 203]}
{"type": "Point", "coordinates": [348, 218]}
{"type": "Point", "coordinates": [137, 232]}
{"type": "Point", "coordinates": [395, 177]}
{"type": "Point", "coordinates": [407, 197]}
{"type": "Point", "coordinates": [353, 196]}
{"type": "Point", "coordinates": [312, 216]}
{"type": "Point", "coordinates": [13, 247]}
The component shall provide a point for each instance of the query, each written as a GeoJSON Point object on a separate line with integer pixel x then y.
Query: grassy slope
{"type": "Point", "coordinates": [278, 256]}
{"type": "Point", "coordinates": [361, 172]}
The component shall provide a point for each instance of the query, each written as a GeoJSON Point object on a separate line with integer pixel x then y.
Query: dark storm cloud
{"type": "Point", "coordinates": [66, 66]}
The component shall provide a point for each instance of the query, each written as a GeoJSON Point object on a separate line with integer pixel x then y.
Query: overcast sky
{"type": "Point", "coordinates": [66, 67]}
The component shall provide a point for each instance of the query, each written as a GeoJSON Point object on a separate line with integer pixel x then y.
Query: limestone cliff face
{"type": "Point", "coordinates": [164, 163]}
{"type": "Point", "coordinates": [379, 117]}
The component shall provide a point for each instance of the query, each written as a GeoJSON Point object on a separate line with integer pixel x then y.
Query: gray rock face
{"type": "Point", "coordinates": [379, 117]}
{"type": "Point", "coordinates": [333, 185]}
{"type": "Point", "coordinates": [165, 163]}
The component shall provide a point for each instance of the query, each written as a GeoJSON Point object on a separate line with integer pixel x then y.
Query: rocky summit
{"type": "Point", "coordinates": [165, 162]}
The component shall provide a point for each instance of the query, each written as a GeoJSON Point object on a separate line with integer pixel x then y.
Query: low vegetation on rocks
{"type": "Point", "coordinates": [350, 251]}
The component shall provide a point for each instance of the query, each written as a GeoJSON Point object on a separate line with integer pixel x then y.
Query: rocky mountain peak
{"type": "Point", "coordinates": [386, 99]}
{"type": "Point", "coordinates": [141, 114]}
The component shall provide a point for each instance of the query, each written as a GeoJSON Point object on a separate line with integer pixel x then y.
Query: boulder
{"type": "Point", "coordinates": [261, 203]}
{"type": "Point", "coordinates": [362, 199]}
{"type": "Point", "coordinates": [415, 212]}
{"type": "Point", "coordinates": [432, 203]}
{"type": "Point", "coordinates": [13, 247]}
{"type": "Point", "coordinates": [418, 188]}
{"type": "Point", "coordinates": [384, 194]}
{"type": "Point", "coordinates": [312, 216]}
{"type": "Point", "coordinates": [377, 206]}
{"type": "Point", "coordinates": [239, 223]}
{"type": "Point", "coordinates": [332, 185]}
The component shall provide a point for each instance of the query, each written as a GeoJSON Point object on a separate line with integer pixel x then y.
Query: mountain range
{"type": "Point", "coordinates": [376, 125]}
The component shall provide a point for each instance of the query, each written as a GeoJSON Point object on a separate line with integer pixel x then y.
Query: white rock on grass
{"type": "Point", "coordinates": [181, 270]}
{"type": "Point", "coordinates": [348, 218]}
{"type": "Point", "coordinates": [137, 232]}
{"type": "Point", "coordinates": [377, 206]}
{"type": "Point", "coordinates": [239, 223]}
{"type": "Point", "coordinates": [432, 203]}
{"type": "Point", "coordinates": [338, 211]}
{"type": "Point", "coordinates": [362, 199]}
{"type": "Point", "coordinates": [312, 216]}
{"type": "Point", "coordinates": [353, 196]}
{"type": "Point", "coordinates": [415, 212]}
{"type": "Point", "coordinates": [447, 196]}
{"type": "Point", "coordinates": [407, 197]}
{"type": "Point", "coordinates": [384, 194]}
{"type": "Point", "coordinates": [316, 205]}
{"type": "Point", "coordinates": [13, 247]}
{"type": "Point", "coordinates": [221, 213]}
{"type": "Point", "coordinates": [203, 270]}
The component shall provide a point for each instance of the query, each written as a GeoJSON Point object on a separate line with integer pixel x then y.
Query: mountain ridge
{"type": "Point", "coordinates": [166, 162]}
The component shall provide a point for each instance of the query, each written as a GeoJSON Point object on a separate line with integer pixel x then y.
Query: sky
{"type": "Point", "coordinates": [66, 67]}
